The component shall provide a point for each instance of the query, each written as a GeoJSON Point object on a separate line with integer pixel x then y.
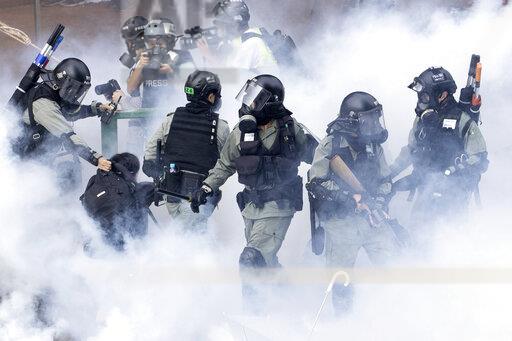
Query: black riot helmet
{"type": "Point", "coordinates": [200, 84]}
{"type": "Point", "coordinates": [429, 85]}
{"type": "Point", "coordinates": [132, 32]}
{"type": "Point", "coordinates": [133, 28]}
{"type": "Point", "coordinates": [262, 100]}
{"type": "Point", "coordinates": [158, 29]}
{"type": "Point", "coordinates": [360, 119]}
{"type": "Point", "coordinates": [71, 78]}
{"type": "Point", "coordinates": [232, 14]}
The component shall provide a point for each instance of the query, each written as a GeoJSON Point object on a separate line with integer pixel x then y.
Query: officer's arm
{"type": "Point", "coordinates": [225, 166]}
{"type": "Point", "coordinates": [404, 159]}
{"type": "Point", "coordinates": [149, 165]}
{"type": "Point", "coordinates": [306, 143]}
{"type": "Point", "coordinates": [320, 184]}
{"type": "Point", "coordinates": [320, 168]}
{"type": "Point", "coordinates": [222, 134]}
{"type": "Point", "coordinates": [386, 186]}
{"type": "Point", "coordinates": [476, 149]}
{"type": "Point", "coordinates": [49, 115]}
{"type": "Point", "coordinates": [84, 111]}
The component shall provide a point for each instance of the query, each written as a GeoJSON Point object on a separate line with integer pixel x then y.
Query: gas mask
{"type": "Point", "coordinates": [257, 106]}
{"type": "Point", "coordinates": [372, 126]}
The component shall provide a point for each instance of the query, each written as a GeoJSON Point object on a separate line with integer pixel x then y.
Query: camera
{"type": "Point", "coordinates": [192, 35]}
{"type": "Point", "coordinates": [107, 89]}
{"type": "Point", "coordinates": [156, 56]}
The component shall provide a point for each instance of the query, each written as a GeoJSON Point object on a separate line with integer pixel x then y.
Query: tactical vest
{"type": "Point", "coordinates": [439, 146]}
{"type": "Point", "coordinates": [191, 146]}
{"type": "Point", "coordinates": [262, 168]}
{"type": "Point", "coordinates": [34, 138]}
{"type": "Point", "coordinates": [270, 174]}
{"type": "Point", "coordinates": [365, 167]}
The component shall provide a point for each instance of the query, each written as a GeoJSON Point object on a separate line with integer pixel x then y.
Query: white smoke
{"type": "Point", "coordinates": [155, 291]}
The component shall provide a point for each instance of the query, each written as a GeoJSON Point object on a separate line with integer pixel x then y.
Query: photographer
{"type": "Point", "coordinates": [132, 32]}
{"type": "Point", "coordinates": [159, 65]}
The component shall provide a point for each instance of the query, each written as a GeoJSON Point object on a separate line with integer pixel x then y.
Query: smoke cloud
{"type": "Point", "coordinates": [177, 286]}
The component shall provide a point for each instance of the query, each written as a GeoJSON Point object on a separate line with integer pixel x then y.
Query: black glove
{"type": "Point", "coordinates": [199, 197]}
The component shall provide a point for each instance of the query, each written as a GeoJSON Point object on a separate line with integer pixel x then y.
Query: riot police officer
{"type": "Point", "coordinates": [159, 65]}
{"type": "Point", "coordinates": [446, 148]}
{"type": "Point", "coordinates": [192, 138]}
{"type": "Point", "coordinates": [350, 218]}
{"type": "Point", "coordinates": [265, 148]}
{"type": "Point", "coordinates": [48, 134]}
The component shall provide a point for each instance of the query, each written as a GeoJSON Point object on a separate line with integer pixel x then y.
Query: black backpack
{"type": "Point", "coordinates": [108, 195]}
{"type": "Point", "coordinates": [282, 46]}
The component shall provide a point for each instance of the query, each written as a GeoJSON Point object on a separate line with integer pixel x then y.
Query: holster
{"type": "Point", "coordinates": [291, 191]}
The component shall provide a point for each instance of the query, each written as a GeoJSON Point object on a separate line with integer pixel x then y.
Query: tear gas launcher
{"type": "Point", "coordinates": [37, 67]}
{"type": "Point", "coordinates": [469, 99]}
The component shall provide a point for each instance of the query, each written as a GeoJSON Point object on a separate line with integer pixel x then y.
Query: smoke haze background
{"type": "Point", "coordinates": [147, 293]}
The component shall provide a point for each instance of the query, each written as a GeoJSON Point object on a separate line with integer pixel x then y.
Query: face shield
{"type": "Point", "coordinates": [72, 91]}
{"type": "Point", "coordinates": [372, 127]}
{"type": "Point", "coordinates": [253, 95]}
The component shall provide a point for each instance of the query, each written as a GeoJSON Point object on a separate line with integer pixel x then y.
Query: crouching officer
{"type": "Point", "coordinates": [192, 138]}
{"type": "Point", "coordinates": [47, 132]}
{"type": "Point", "coordinates": [265, 149]}
{"type": "Point", "coordinates": [446, 148]}
{"type": "Point", "coordinates": [347, 215]}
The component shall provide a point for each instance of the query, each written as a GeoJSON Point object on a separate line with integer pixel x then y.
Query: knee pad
{"type": "Point", "coordinates": [251, 258]}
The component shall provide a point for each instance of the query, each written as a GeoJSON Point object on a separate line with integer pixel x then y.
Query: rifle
{"type": "Point", "coordinates": [470, 100]}
{"type": "Point", "coordinates": [375, 215]}
{"type": "Point", "coordinates": [37, 67]}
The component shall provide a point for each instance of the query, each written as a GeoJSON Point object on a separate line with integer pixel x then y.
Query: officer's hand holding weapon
{"type": "Point", "coordinates": [199, 197]}
{"type": "Point", "coordinates": [364, 204]}
{"type": "Point", "coordinates": [112, 92]}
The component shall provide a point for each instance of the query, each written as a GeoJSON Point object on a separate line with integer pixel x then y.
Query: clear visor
{"type": "Point", "coordinates": [416, 86]}
{"type": "Point", "coordinates": [371, 122]}
{"type": "Point", "coordinates": [253, 95]}
{"type": "Point", "coordinates": [73, 91]}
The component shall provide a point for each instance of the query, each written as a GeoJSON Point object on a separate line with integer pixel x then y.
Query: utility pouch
{"type": "Point", "coordinates": [190, 182]}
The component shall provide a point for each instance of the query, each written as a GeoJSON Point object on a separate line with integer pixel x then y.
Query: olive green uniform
{"type": "Point", "coordinates": [266, 226]}
{"type": "Point", "coordinates": [180, 209]}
